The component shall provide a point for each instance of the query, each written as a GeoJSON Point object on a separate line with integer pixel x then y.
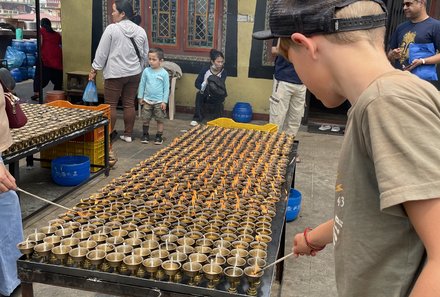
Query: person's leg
{"type": "Point", "coordinates": [279, 104]}
{"type": "Point", "coordinates": [36, 84]}
{"type": "Point", "coordinates": [128, 96]}
{"type": "Point", "coordinates": [296, 108]}
{"type": "Point", "coordinates": [200, 98]}
{"type": "Point", "coordinates": [160, 116]}
{"type": "Point", "coordinates": [11, 235]}
{"type": "Point", "coordinates": [112, 93]}
{"type": "Point", "coordinates": [57, 79]}
{"type": "Point", "coordinates": [147, 112]}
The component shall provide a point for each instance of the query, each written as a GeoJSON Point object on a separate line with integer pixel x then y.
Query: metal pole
{"type": "Point", "coordinates": [40, 66]}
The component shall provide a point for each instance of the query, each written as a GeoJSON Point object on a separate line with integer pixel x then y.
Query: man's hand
{"type": "Point", "coordinates": [394, 54]}
{"type": "Point", "coordinates": [7, 181]}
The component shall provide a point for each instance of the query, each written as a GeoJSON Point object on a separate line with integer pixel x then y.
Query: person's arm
{"type": "Point", "coordinates": [166, 88]}
{"type": "Point", "coordinates": [141, 88]}
{"type": "Point", "coordinates": [199, 79]}
{"type": "Point", "coordinates": [423, 215]}
{"type": "Point", "coordinates": [394, 54]}
{"type": "Point", "coordinates": [102, 53]}
{"type": "Point", "coordinates": [7, 181]}
{"type": "Point", "coordinates": [310, 242]}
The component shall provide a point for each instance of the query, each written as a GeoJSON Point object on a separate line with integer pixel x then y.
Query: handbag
{"type": "Point", "coordinates": [16, 116]}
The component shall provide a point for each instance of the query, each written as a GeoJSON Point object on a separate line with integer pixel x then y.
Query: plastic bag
{"type": "Point", "coordinates": [90, 93]}
{"type": "Point", "coordinates": [14, 57]}
{"type": "Point", "coordinates": [423, 50]}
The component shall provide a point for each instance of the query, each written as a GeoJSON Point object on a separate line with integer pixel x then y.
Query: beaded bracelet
{"type": "Point", "coordinates": [312, 247]}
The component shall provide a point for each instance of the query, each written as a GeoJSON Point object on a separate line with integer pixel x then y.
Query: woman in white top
{"type": "Point", "coordinates": [121, 55]}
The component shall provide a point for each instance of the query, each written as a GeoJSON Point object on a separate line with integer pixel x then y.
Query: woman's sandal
{"type": "Point", "coordinates": [112, 158]}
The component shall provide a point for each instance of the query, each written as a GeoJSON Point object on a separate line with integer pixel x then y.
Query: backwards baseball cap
{"type": "Point", "coordinates": [315, 17]}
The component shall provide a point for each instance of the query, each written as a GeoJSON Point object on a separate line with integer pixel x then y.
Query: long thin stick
{"type": "Point", "coordinates": [45, 200]}
{"type": "Point", "coordinates": [277, 261]}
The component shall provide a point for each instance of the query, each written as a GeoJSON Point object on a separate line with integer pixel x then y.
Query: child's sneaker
{"type": "Point", "coordinates": [145, 138]}
{"type": "Point", "coordinates": [158, 139]}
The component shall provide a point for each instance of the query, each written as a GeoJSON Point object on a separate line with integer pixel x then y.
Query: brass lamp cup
{"type": "Point", "coordinates": [212, 273]}
{"type": "Point", "coordinates": [265, 225]}
{"type": "Point", "coordinates": [81, 235]}
{"type": "Point", "coordinates": [136, 234]}
{"type": "Point", "coordinates": [245, 237]}
{"type": "Point", "coordinates": [99, 238]}
{"type": "Point", "coordinates": [245, 230]}
{"type": "Point", "coordinates": [143, 252]}
{"type": "Point", "coordinates": [71, 241]}
{"type": "Point", "coordinates": [152, 236]}
{"type": "Point", "coordinates": [257, 253]}
{"type": "Point", "coordinates": [264, 231]}
{"type": "Point", "coordinates": [169, 237]}
{"type": "Point", "coordinates": [150, 244]}
{"type": "Point", "coordinates": [88, 227]}
{"type": "Point", "coordinates": [78, 255]}
{"type": "Point", "coordinates": [217, 259]}
{"type": "Point", "coordinates": [133, 262]}
{"type": "Point", "coordinates": [222, 244]}
{"type": "Point", "coordinates": [192, 270]}
{"type": "Point", "coordinates": [239, 244]}
{"type": "Point", "coordinates": [186, 241]}
{"type": "Point", "coordinates": [57, 222]}
{"type": "Point", "coordinates": [194, 235]}
{"type": "Point", "coordinates": [26, 248]}
{"type": "Point", "coordinates": [72, 225]}
{"type": "Point", "coordinates": [212, 236]}
{"type": "Point", "coordinates": [203, 250]}
{"type": "Point", "coordinates": [114, 225]}
{"type": "Point", "coordinates": [124, 249]}
{"type": "Point", "coordinates": [264, 218]}
{"type": "Point", "coordinates": [233, 275]}
{"type": "Point", "coordinates": [88, 244]}
{"type": "Point", "coordinates": [64, 232]}
{"type": "Point", "coordinates": [198, 257]}
{"type": "Point", "coordinates": [145, 228]}
{"type": "Point", "coordinates": [107, 247]}
{"type": "Point", "coordinates": [224, 252]}
{"type": "Point", "coordinates": [256, 262]}
{"type": "Point", "coordinates": [152, 265]}
{"type": "Point", "coordinates": [179, 232]}
{"type": "Point", "coordinates": [159, 231]}
{"type": "Point", "coordinates": [178, 257]}
{"type": "Point", "coordinates": [103, 230]}
{"type": "Point", "coordinates": [186, 249]}
{"type": "Point", "coordinates": [171, 269]}
{"type": "Point", "coordinates": [236, 261]}
{"type": "Point", "coordinates": [43, 249]}
{"type": "Point", "coordinates": [204, 242]}
{"type": "Point", "coordinates": [161, 254]}
{"type": "Point", "coordinates": [53, 239]}
{"type": "Point", "coordinates": [37, 237]}
{"type": "Point", "coordinates": [116, 240]}
{"type": "Point", "coordinates": [248, 224]}
{"type": "Point", "coordinates": [170, 247]}
{"type": "Point", "coordinates": [263, 238]}
{"type": "Point", "coordinates": [253, 276]}
{"type": "Point", "coordinates": [242, 253]}
{"type": "Point", "coordinates": [96, 257]}
{"type": "Point", "coordinates": [134, 242]}
{"type": "Point", "coordinates": [48, 230]}
{"type": "Point", "coordinates": [61, 252]}
{"type": "Point", "coordinates": [163, 224]}
{"type": "Point", "coordinates": [229, 237]}
{"type": "Point", "coordinates": [258, 245]}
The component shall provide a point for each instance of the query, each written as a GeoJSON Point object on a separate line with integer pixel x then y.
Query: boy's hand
{"type": "Point", "coordinates": [163, 106]}
{"type": "Point", "coordinates": [141, 102]}
{"type": "Point", "coordinates": [7, 181]}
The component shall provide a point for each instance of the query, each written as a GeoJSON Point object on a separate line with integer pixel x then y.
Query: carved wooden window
{"type": "Point", "coordinates": [184, 27]}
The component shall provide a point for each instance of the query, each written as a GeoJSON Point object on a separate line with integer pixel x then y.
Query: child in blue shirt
{"type": "Point", "coordinates": [154, 89]}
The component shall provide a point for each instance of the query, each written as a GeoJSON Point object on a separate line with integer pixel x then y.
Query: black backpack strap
{"type": "Point", "coordinates": [136, 49]}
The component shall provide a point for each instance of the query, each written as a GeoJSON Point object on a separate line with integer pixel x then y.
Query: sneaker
{"type": "Point", "coordinates": [126, 138]}
{"type": "Point", "coordinates": [113, 135]}
{"type": "Point", "coordinates": [158, 139]}
{"type": "Point", "coordinates": [324, 127]}
{"type": "Point", "coordinates": [193, 123]}
{"type": "Point", "coordinates": [336, 129]}
{"type": "Point", "coordinates": [145, 138]}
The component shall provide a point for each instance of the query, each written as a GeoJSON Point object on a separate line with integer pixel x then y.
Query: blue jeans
{"type": "Point", "coordinates": [11, 233]}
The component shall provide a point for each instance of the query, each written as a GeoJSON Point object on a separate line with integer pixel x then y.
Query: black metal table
{"type": "Point", "coordinates": [13, 159]}
{"type": "Point", "coordinates": [117, 284]}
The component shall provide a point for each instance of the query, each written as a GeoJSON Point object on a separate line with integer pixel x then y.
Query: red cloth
{"type": "Point", "coordinates": [51, 52]}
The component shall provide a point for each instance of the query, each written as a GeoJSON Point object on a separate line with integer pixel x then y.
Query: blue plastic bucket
{"type": "Point", "coordinates": [293, 205]}
{"type": "Point", "coordinates": [18, 44]}
{"type": "Point", "coordinates": [30, 60]}
{"type": "Point", "coordinates": [31, 46]}
{"type": "Point", "coordinates": [31, 72]}
{"type": "Point", "coordinates": [70, 170]}
{"type": "Point", "coordinates": [24, 73]}
{"type": "Point", "coordinates": [242, 112]}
